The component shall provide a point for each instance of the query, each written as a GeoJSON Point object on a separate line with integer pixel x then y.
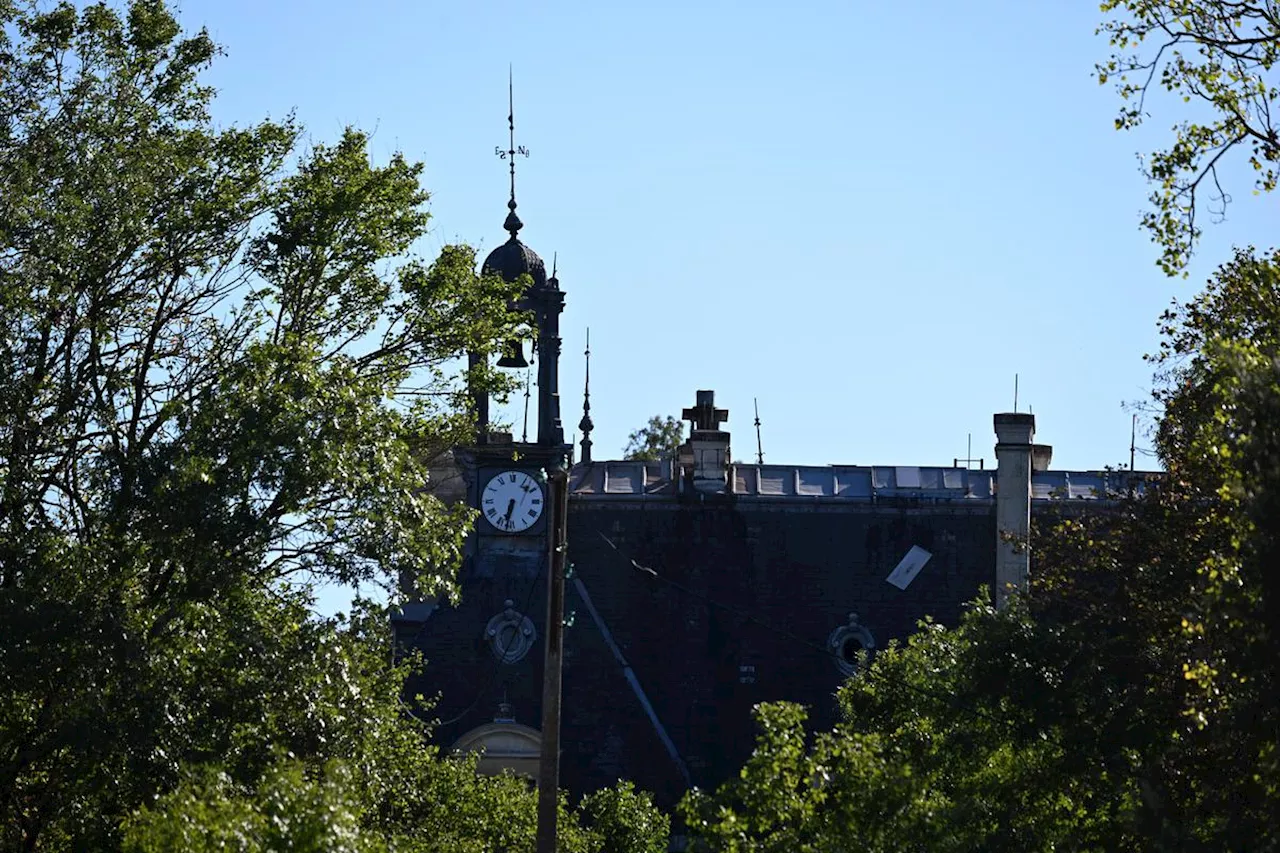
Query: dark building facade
{"type": "Point", "coordinates": [699, 587]}
{"type": "Point", "coordinates": [685, 609]}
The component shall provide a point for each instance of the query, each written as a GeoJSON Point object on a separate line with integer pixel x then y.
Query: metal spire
{"type": "Point", "coordinates": [759, 447]}
{"type": "Point", "coordinates": [585, 424]}
{"type": "Point", "coordinates": [513, 223]}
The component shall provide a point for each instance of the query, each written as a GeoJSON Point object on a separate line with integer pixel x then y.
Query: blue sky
{"type": "Point", "coordinates": [870, 216]}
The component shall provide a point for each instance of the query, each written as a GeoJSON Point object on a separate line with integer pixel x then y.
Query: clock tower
{"type": "Point", "coordinates": [485, 651]}
{"type": "Point", "coordinates": [506, 478]}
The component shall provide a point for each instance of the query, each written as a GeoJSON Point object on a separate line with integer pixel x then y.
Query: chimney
{"type": "Point", "coordinates": [1015, 436]}
{"type": "Point", "coordinates": [708, 444]}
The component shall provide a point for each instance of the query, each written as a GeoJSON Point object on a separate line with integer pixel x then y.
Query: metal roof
{"type": "Point", "coordinates": [630, 479]}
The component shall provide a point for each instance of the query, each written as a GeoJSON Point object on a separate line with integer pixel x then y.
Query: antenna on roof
{"type": "Point", "coordinates": [759, 447]}
{"type": "Point", "coordinates": [1015, 393]}
{"type": "Point", "coordinates": [968, 457]}
{"type": "Point", "coordinates": [1133, 439]}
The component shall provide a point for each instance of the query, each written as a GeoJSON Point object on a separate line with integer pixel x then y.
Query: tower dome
{"type": "Point", "coordinates": [513, 259]}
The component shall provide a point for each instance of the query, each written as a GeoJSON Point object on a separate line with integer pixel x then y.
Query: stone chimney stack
{"type": "Point", "coordinates": [1015, 437]}
{"type": "Point", "coordinates": [708, 444]}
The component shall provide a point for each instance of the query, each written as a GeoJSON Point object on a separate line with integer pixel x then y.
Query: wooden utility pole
{"type": "Point", "coordinates": [549, 762]}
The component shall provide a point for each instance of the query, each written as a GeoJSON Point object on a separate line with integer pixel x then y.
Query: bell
{"type": "Point", "coordinates": [512, 355]}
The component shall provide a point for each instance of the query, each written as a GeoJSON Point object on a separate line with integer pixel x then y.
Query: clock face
{"type": "Point", "coordinates": [512, 501]}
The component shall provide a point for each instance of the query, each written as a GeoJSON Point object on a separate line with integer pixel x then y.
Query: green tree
{"type": "Point", "coordinates": [289, 810]}
{"type": "Point", "coordinates": [442, 804]}
{"type": "Point", "coordinates": [1216, 54]}
{"type": "Point", "coordinates": [1128, 700]}
{"type": "Point", "coordinates": [929, 757]}
{"type": "Point", "coordinates": [624, 820]}
{"type": "Point", "coordinates": [220, 379]}
{"type": "Point", "coordinates": [660, 437]}
{"type": "Point", "coordinates": [1240, 303]}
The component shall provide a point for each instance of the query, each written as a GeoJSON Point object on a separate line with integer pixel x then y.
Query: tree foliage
{"type": "Point", "coordinates": [289, 810]}
{"type": "Point", "coordinates": [1239, 304]}
{"type": "Point", "coordinates": [1221, 56]}
{"type": "Point", "coordinates": [624, 820]}
{"type": "Point", "coordinates": [443, 805]}
{"type": "Point", "coordinates": [222, 375]}
{"type": "Point", "coordinates": [1128, 700]}
{"type": "Point", "coordinates": [660, 437]}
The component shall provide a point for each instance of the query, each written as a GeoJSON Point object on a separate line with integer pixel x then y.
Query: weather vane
{"type": "Point", "coordinates": [513, 150]}
{"type": "Point", "coordinates": [513, 223]}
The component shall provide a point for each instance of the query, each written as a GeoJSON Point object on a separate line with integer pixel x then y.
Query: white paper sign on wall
{"type": "Point", "coordinates": [906, 571]}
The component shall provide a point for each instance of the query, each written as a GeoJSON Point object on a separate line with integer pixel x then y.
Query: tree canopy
{"type": "Point", "coordinates": [660, 437]}
{"type": "Point", "coordinates": [1128, 700]}
{"type": "Point", "coordinates": [1221, 57]}
{"type": "Point", "coordinates": [223, 373]}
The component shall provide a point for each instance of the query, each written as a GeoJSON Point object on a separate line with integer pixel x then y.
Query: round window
{"type": "Point", "coordinates": [847, 643]}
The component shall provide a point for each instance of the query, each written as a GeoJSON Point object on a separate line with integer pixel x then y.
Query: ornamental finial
{"type": "Point", "coordinates": [585, 424]}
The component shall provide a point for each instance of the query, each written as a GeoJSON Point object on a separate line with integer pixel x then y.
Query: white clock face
{"type": "Point", "coordinates": [512, 501]}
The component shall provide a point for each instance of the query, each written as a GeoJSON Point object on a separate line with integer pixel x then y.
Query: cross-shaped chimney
{"type": "Point", "coordinates": [705, 415]}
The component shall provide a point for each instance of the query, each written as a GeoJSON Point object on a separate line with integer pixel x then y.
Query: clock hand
{"type": "Point", "coordinates": [511, 506]}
